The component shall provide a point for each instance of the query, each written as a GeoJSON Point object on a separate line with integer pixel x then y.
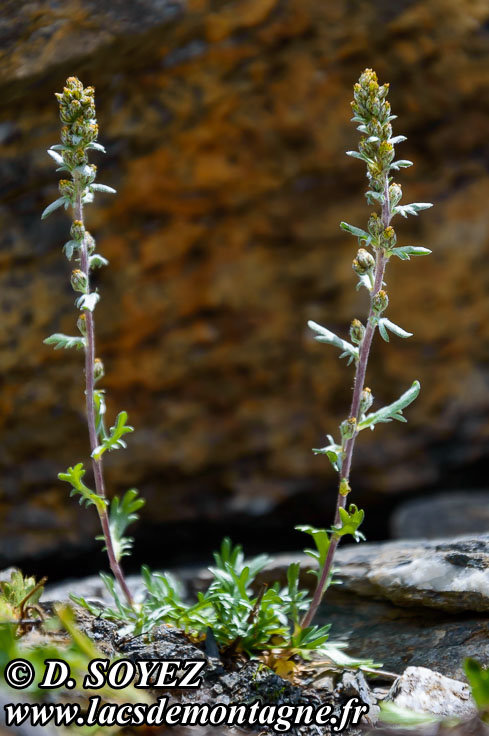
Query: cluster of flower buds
{"type": "Point", "coordinates": [373, 112]}
{"type": "Point", "coordinates": [77, 112]}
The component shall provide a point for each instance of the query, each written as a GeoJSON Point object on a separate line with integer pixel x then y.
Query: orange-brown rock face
{"type": "Point", "coordinates": [226, 125]}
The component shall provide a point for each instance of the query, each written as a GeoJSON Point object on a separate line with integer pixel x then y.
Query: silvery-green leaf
{"type": "Point", "coordinates": [406, 251]}
{"type": "Point", "coordinates": [333, 451]}
{"type": "Point", "coordinates": [54, 155]}
{"type": "Point", "coordinates": [365, 279]}
{"type": "Point", "coordinates": [88, 301]}
{"type": "Point", "coordinates": [401, 164]}
{"type": "Point", "coordinates": [357, 231]}
{"type": "Point", "coordinates": [373, 197]}
{"type": "Point", "coordinates": [385, 324]}
{"type": "Point", "coordinates": [325, 335]}
{"type": "Point", "coordinates": [69, 248]}
{"type": "Point", "coordinates": [58, 340]}
{"type": "Point", "coordinates": [411, 209]}
{"type": "Point", "coordinates": [96, 147]}
{"type": "Point", "coordinates": [54, 206]}
{"type": "Point", "coordinates": [357, 154]}
{"type": "Point", "coordinates": [87, 197]}
{"type": "Point", "coordinates": [392, 411]}
{"type": "Point", "coordinates": [96, 261]}
{"type": "Point", "coordinates": [397, 139]}
{"type": "Point", "coordinates": [102, 188]}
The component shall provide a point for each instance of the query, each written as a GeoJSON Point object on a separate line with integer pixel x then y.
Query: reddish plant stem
{"type": "Point", "coordinates": [358, 386]}
{"type": "Point", "coordinates": [92, 431]}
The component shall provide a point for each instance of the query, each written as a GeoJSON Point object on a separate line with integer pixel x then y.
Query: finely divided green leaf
{"type": "Point", "coordinates": [349, 522]}
{"type": "Point", "coordinates": [96, 261]}
{"type": "Point", "coordinates": [65, 341]}
{"type": "Point", "coordinates": [325, 335]}
{"type": "Point", "coordinates": [393, 411]}
{"type": "Point", "coordinates": [74, 476]}
{"type": "Point", "coordinates": [411, 209]}
{"type": "Point", "coordinates": [333, 451]}
{"type": "Point", "coordinates": [114, 440]}
{"type": "Point", "coordinates": [123, 512]}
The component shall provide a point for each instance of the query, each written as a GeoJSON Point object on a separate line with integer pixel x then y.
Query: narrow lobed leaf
{"type": "Point", "coordinates": [392, 411]}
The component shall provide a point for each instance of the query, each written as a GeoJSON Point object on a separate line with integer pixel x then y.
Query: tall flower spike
{"type": "Point", "coordinates": [376, 149]}
{"type": "Point", "coordinates": [78, 137]}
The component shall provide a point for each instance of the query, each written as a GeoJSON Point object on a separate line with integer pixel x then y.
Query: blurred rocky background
{"type": "Point", "coordinates": [225, 124]}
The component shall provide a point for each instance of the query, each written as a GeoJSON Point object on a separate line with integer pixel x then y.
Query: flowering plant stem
{"type": "Point", "coordinates": [78, 137]}
{"type": "Point", "coordinates": [376, 150]}
{"type": "Point", "coordinates": [358, 386]}
{"type": "Point", "coordinates": [97, 464]}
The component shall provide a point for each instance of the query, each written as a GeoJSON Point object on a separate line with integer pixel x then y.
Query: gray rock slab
{"type": "Point", "coordinates": [400, 637]}
{"type": "Point", "coordinates": [442, 515]}
{"type": "Point", "coordinates": [452, 575]}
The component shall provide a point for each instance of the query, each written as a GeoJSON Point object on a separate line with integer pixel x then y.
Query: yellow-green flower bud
{"type": "Point", "coordinates": [357, 331]}
{"type": "Point", "coordinates": [363, 263]}
{"type": "Point", "coordinates": [79, 281]}
{"type": "Point", "coordinates": [82, 324]}
{"type": "Point", "coordinates": [344, 488]}
{"type": "Point", "coordinates": [386, 153]}
{"type": "Point", "coordinates": [77, 230]}
{"type": "Point", "coordinates": [375, 225]}
{"type": "Point", "coordinates": [73, 83]}
{"type": "Point", "coordinates": [66, 188]}
{"type": "Point", "coordinates": [395, 194]}
{"type": "Point", "coordinates": [98, 369]}
{"type": "Point", "coordinates": [366, 400]}
{"type": "Point", "coordinates": [380, 302]}
{"type": "Point", "coordinates": [90, 242]}
{"type": "Point", "coordinates": [348, 428]}
{"type": "Point", "coordinates": [388, 238]}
